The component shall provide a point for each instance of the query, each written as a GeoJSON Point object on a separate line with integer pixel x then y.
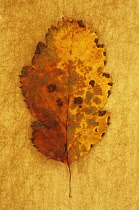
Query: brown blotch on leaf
{"type": "Point", "coordinates": [91, 110]}
{"type": "Point", "coordinates": [96, 40]}
{"type": "Point", "coordinates": [97, 90]}
{"type": "Point", "coordinates": [104, 62]}
{"type": "Point", "coordinates": [97, 100]}
{"type": "Point", "coordinates": [74, 76]}
{"type": "Point", "coordinates": [80, 22]}
{"type": "Point", "coordinates": [89, 96]}
{"type": "Point", "coordinates": [99, 70]}
{"type": "Point", "coordinates": [78, 100]}
{"type": "Point", "coordinates": [109, 92]}
{"type": "Point", "coordinates": [110, 83]}
{"type": "Point", "coordinates": [92, 82]}
{"type": "Point", "coordinates": [37, 124]}
{"type": "Point", "coordinates": [104, 53]}
{"type": "Point", "coordinates": [51, 88]}
{"type": "Point", "coordinates": [100, 46]}
{"type": "Point", "coordinates": [92, 122]}
{"type": "Point", "coordinates": [79, 117]}
{"type": "Point", "coordinates": [91, 145]}
{"type": "Point", "coordinates": [96, 130]}
{"type": "Point", "coordinates": [71, 127]}
{"type": "Point", "coordinates": [102, 134]}
{"type": "Point", "coordinates": [106, 75]}
{"type": "Point", "coordinates": [108, 121]}
{"type": "Point", "coordinates": [101, 113]}
{"type": "Point", "coordinates": [59, 102]}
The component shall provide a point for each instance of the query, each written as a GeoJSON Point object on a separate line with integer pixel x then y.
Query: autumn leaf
{"type": "Point", "coordinates": [66, 90]}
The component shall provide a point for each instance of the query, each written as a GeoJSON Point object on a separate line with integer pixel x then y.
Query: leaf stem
{"type": "Point", "coordinates": [69, 169]}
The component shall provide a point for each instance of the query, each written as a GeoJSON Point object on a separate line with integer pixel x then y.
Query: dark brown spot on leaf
{"type": "Point", "coordinates": [104, 53]}
{"type": "Point", "coordinates": [108, 121]}
{"type": "Point", "coordinates": [78, 100]}
{"type": "Point", "coordinates": [51, 88]}
{"type": "Point", "coordinates": [110, 83]}
{"type": "Point", "coordinates": [100, 46]}
{"type": "Point", "coordinates": [96, 40]}
{"type": "Point", "coordinates": [109, 92]}
{"type": "Point", "coordinates": [91, 145]}
{"type": "Point", "coordinates": [101, 113]}
{"type": "Point", "coordinates": [102, 134]}
{"type": "Point", "coordinates": [106, 75]}
{"type": "Point", "coordinates": [59, 102]}
{"type": "Point", "coordinates": [96, 130]}
{"type": "Point", "coordinates": [92, 82]}
{"type": "Point", "coordinates": [80, 22]}
{"type": "Point", "coordinates": [104, 62]}
{"type": "Point", "coordinates": [80, 106]}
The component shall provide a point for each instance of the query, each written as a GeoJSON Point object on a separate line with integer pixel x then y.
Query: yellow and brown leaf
{"type": "Point", "coordinates": [66, 90]}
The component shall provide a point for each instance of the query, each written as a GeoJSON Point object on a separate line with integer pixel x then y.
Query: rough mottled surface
{"type": "Point", "coordinates": [64, 89]}
{"type": "Point", "coordinates": [108, 176]}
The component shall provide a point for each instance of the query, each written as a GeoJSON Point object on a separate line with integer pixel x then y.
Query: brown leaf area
{"type": "Point", "coordinates": [66, 90]}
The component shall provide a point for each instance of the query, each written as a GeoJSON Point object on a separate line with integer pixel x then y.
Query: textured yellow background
{"type": "Point", "coordinates": [106, 178]}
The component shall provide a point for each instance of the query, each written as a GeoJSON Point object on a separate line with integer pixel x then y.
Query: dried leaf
{"type": "Point", "coordinates": [66, 90]}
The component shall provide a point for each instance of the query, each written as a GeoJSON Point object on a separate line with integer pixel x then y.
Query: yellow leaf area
{"type": "Point", "coordinates": [72, 64]}
{"type": "Point", "coordinates": [88, 88]}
